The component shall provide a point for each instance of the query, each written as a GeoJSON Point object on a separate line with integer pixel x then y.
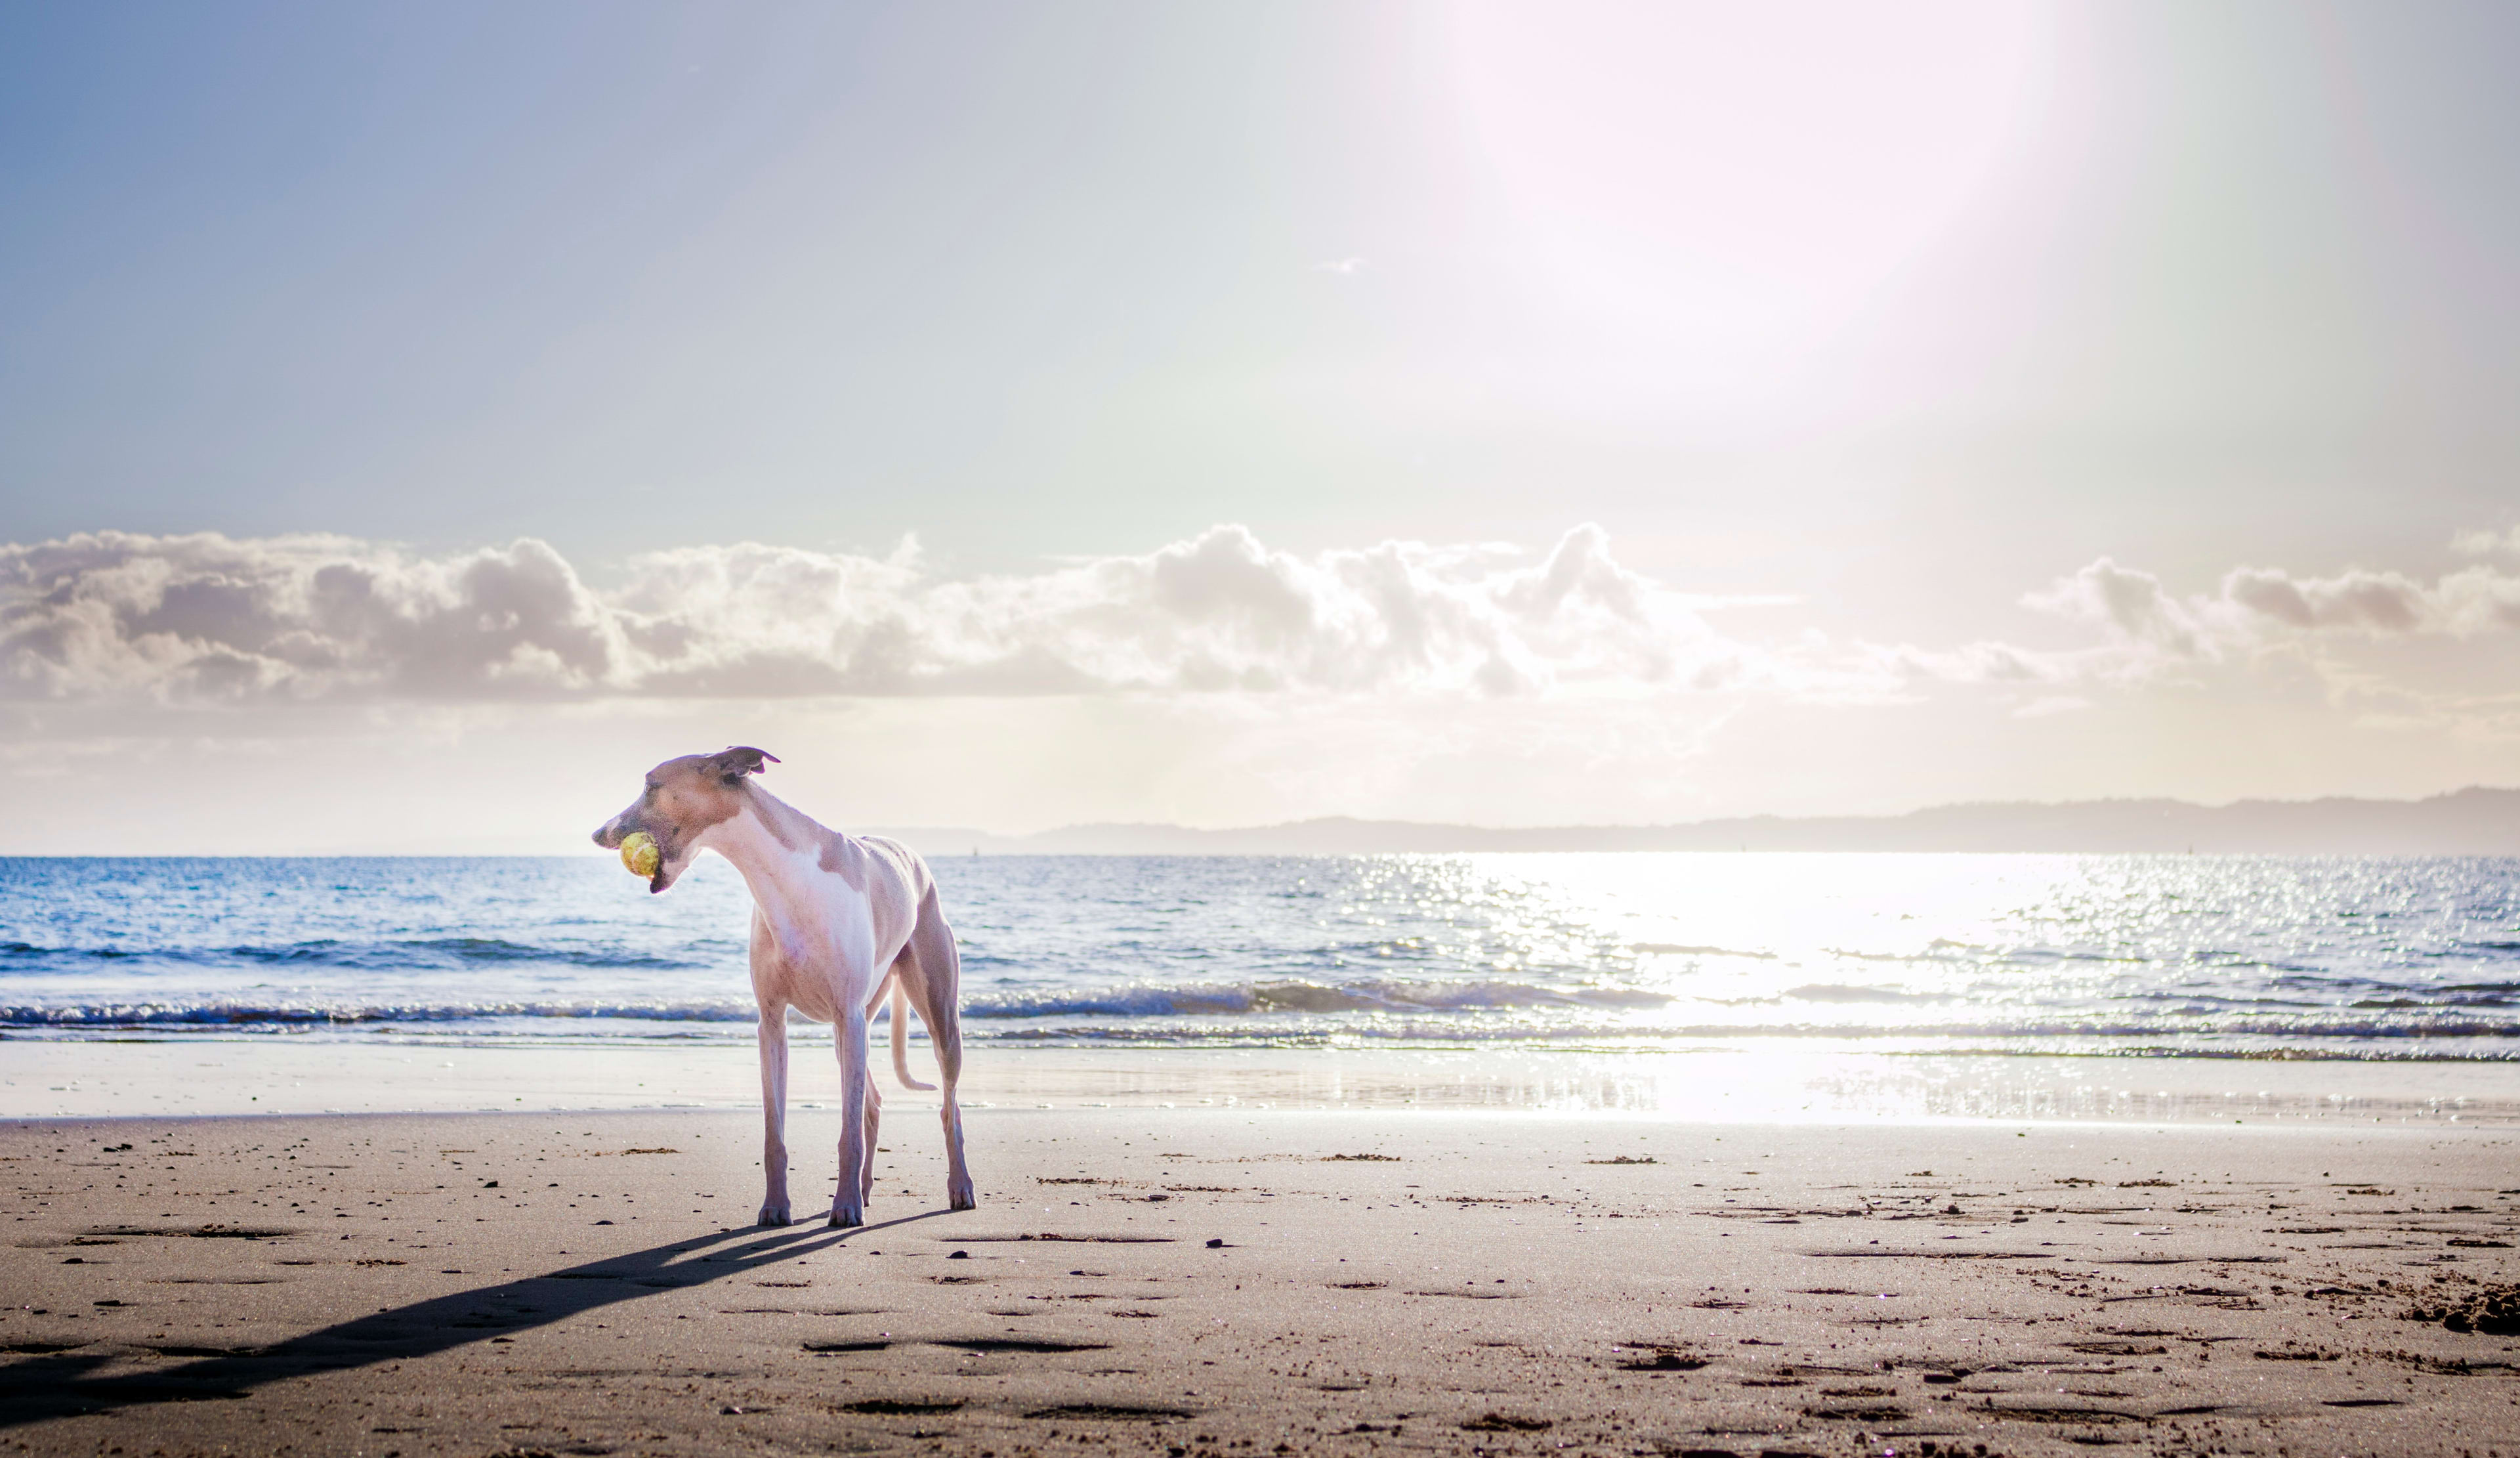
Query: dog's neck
{"type": "Point", "coordinates": [773, 845]}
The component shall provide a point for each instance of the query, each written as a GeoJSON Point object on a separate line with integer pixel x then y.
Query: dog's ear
{"type": "Point", "coordinates": [733, 763]}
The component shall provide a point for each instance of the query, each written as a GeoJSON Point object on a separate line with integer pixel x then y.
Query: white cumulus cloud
{"type": "Point", "coordinates": [2486, 542]}
{"type": "Point", "coordinates": [2253, 607]}
{"type": "Point", "coordinates": [207, 619]}
{"type": "Point", "coordinates": [323, 617]}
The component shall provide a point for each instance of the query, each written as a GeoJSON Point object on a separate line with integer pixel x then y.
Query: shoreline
{"type": "Point", "coordinates": [88, 1079]}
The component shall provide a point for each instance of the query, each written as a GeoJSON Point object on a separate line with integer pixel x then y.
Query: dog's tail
{"type": "Point", "coordinates": [901, 1041]}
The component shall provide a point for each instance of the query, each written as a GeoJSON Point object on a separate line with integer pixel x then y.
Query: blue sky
{"type": "Point", "coordinates": [1859, 349]}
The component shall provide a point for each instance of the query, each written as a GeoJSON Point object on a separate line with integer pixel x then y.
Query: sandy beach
{"type": "Point", "coordinates": [1619, 730]}
{"type": "Point", "coordinates": [1220, 1281]}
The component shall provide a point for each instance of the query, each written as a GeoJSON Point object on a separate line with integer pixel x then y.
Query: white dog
{"type": "Point", "coordinates": [836, 919]}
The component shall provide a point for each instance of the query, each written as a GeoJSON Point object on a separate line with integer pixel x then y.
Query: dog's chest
{"type": "Point", "coordinates": [821, 927]}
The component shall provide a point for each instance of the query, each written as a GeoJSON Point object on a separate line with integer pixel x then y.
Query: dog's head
{"type": "Point", "coordinates": [683, 800]}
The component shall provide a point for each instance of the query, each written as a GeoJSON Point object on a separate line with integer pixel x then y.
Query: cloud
{"type": "Point", "coordinates": [1984, 663]}
{"type": "Point", "coordinates": [2132, 606]}
{"type": "Point", "coordinates": [206, 617]}
{"type": "Point", "coordinates": [2346, 631]}
{"type": "Point", "coordinates": [2255, 606]}
{"type": "Point", "coordinates": [2486, 542]}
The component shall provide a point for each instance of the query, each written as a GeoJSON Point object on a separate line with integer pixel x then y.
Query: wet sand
{"type": "Point", "coordinates": [1751, 1081]}
{"type": "Point", "coordinates": [1195, 1282]}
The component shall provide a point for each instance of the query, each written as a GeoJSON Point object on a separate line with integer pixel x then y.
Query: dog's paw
{"type": "Point", "coordinates": [959, 1197]}
{"type": "Point", "coordinates": [772, 1215]}
{"type": "Point", "coordinates": [843, 1218]}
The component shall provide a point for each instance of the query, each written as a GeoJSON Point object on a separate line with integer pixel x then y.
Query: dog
{"type": "Point", "coordinates": [836, 921]}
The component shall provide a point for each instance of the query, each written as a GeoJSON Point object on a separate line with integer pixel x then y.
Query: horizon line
{"type": "Point", "coordinates": [2099, 828]}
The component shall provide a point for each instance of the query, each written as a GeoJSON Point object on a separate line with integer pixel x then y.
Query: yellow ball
{"type": "Point", "coordinates": [639, 852]}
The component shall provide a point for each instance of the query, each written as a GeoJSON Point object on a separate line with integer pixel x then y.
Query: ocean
{"type": "Point", "coordinates": [2269, 956]}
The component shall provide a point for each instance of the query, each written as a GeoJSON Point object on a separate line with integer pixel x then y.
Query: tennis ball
{"type": "Point", "coordinates": [639, 852]}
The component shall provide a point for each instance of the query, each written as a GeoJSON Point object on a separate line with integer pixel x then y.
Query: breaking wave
{"type": "Point", "coordinates": [1149, 1001]}
{"type": "Point", "coordinates": [2334, 957]}
{"type": "Point", "coordinates": [414, 954]}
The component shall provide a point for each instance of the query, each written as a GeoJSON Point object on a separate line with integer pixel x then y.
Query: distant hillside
{"type": "Point", "coordinates": [2467, 822]}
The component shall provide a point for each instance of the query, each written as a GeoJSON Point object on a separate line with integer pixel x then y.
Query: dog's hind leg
{"type": "Point", "coordinates": [933, 980]}
{"type": "Point", "coordinates": [772, 1036]}
{"type": "Point", "coordinates": [857, 1113]}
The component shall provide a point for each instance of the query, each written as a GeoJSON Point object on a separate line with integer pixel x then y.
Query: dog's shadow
{"type": "Point", "coordinates": [60, 1384]}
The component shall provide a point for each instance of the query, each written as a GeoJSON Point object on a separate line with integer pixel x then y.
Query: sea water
{"type": "Point", "coordinates": [2339, 958]}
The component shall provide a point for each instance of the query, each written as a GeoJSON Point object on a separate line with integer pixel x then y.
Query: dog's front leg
{"type": "Point", "coordinates": [849, 1042]}
{"type": "Point", "coordinates": [774, 1116]}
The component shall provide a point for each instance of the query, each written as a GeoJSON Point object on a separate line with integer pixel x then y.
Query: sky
{"type": "Point", "coordinates": [417, 419]}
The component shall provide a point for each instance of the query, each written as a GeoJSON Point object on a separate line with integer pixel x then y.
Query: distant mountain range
{"type": "Point", "coordinates": [2465, 822]}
